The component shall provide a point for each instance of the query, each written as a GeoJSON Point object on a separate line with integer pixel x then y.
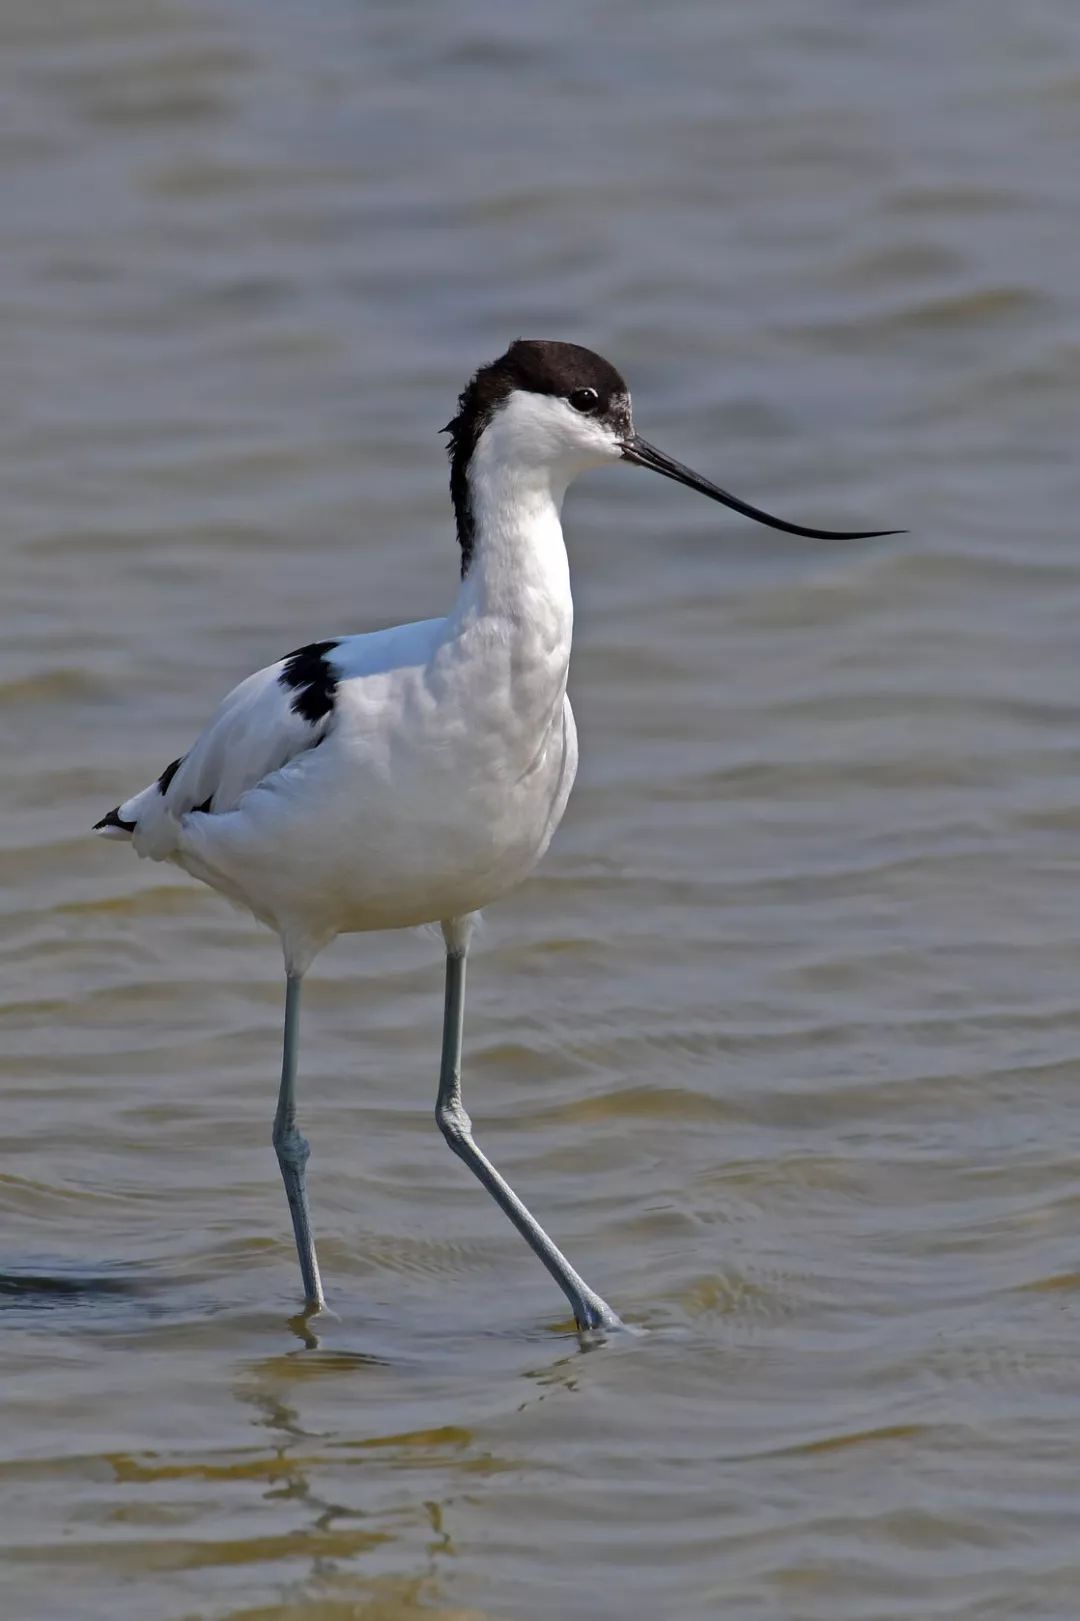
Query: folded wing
{"type": "Point", "coordinates": [264, 723]}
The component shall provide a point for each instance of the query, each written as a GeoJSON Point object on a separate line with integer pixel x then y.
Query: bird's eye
{"type": "Point", "coordinates": [584, 400]}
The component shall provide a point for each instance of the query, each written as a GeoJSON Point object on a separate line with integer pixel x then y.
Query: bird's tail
{"type": "Point", "coordinates": [114, 826]}
{"type": "Point", "coordinates": [122, 821]}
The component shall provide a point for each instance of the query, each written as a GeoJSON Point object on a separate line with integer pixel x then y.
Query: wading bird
{"type": "Point", "coordinates": [414, 774]}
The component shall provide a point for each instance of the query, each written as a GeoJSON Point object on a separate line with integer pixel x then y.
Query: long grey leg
{"type": "Point", "coordinates": [293, 1150]}
{"type": "Point", "coordinates": [589, 1310]}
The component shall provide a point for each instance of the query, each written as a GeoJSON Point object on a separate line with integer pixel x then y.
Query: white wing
{"type": "Point", "coordinates": [269, 719]}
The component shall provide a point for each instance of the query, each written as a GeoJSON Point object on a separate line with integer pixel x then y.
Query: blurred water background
{"type": "Point", "coordinates": [781, 1042]}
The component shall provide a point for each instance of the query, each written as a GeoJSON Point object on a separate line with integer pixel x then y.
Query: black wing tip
{"type": "Point", "coordinates": [114, 819]}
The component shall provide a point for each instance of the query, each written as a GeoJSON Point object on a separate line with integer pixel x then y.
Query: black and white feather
{"type": "Point", "coordinates": [266, 722]}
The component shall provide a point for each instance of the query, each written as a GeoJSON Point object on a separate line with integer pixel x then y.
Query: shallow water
{"type": "Point", "coordinates": [781, 1042]}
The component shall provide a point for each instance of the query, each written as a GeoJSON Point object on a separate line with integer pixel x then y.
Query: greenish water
{"type": "Point", "coordinates": [781, 1042]}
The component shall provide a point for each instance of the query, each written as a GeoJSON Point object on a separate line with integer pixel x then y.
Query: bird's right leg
{"type": "Point", "coordinates": [293, 1149]}
{"type": "Point", "coordinates": [590, 1311]}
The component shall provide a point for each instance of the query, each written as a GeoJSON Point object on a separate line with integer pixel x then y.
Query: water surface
{"type": "Point", "coordinates": [781, 1042]}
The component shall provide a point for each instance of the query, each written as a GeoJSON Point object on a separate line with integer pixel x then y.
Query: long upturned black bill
{"type": "Point", "coordinates": [642, 454]}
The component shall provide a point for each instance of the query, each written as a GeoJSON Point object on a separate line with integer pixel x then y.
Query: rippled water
{"type": "Point", "coordinates": [781, 1041]}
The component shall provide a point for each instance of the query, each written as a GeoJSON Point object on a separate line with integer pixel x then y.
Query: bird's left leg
{"type": "Point", "coordinates": [293, 1149]}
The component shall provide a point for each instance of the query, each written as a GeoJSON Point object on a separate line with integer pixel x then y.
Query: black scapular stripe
{"type": "Point", "coordinates": [168, 774]}
{"type": "Point", "coordinates": [312, 680]}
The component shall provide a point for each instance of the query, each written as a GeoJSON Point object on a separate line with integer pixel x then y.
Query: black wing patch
{"type": "Point", "coordinates": [168, 774]}
{"type": "Point", "coordinates": [312, 679]}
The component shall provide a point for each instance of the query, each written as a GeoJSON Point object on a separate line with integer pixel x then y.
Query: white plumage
{"type": "Point", "coordinates": [423, 794]}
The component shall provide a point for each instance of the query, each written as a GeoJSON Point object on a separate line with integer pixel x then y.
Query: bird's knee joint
{"type": "Point", "coordinates": [291, 1148]}
{"type": "Point", "coordinates": [454, 1123]}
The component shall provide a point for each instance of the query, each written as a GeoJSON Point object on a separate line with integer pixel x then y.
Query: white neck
{"type": "Point", "coordinates": [519, 570]}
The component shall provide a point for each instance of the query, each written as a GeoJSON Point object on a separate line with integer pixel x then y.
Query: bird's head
{"type": "Point", "coordinates": [563, 409]}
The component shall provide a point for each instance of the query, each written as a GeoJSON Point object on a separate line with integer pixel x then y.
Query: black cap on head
{"type": "Point", "coordinates": [536, 366]}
